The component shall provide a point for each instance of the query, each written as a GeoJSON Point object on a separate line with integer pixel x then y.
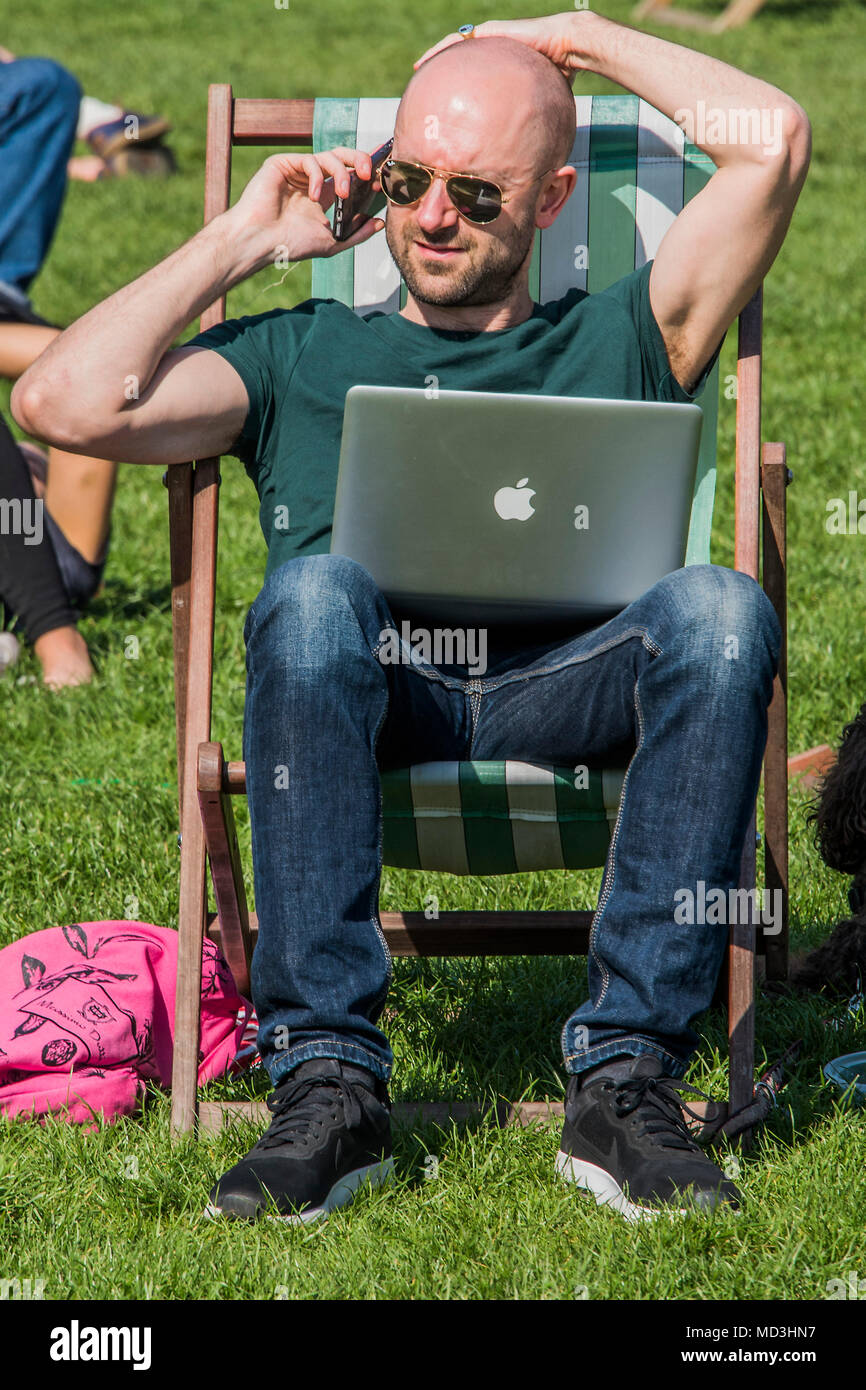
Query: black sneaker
{"type": "Point", "coordinates": [331, 1132]}
{"type": "Point", "coordinates": [625, 1139]}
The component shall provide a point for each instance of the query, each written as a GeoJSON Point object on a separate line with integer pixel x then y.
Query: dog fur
{"type": "Point", "coordinates": [839, 817]}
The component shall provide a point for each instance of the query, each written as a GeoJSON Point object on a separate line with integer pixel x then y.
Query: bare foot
{"type": "Point", "coordinates": [87, 168]}
{"type": "Point", "coordinates": [64, 658]}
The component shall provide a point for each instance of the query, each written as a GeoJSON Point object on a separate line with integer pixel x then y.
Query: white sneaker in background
{"type": "Point", "coordinates": [9, 650]}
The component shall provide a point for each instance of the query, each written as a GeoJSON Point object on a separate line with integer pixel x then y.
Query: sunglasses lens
{"type": "Point", "coordinates": [403, 183]}
{"type": "Point", "coordinates": [474, 199]}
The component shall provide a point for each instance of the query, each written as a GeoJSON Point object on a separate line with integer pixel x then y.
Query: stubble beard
{"type": "Point", "coordinates": [481, 276]}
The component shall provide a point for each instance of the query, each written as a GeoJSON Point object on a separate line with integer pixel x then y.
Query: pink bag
{"type": "Point", "coordinates": [87, 1016]}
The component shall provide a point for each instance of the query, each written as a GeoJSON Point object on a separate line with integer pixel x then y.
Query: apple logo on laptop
{"type": "Point", "coordinates": [513, 504]}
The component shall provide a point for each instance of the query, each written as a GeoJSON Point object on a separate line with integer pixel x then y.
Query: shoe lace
{"type": "Point", "coordinates": [302, 1107]}
{"type": "Point", "coordinates": [662, 1110]}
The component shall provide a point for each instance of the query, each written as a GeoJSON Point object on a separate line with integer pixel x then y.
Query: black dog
{"type": "Point", "coordinates": [839, 817]}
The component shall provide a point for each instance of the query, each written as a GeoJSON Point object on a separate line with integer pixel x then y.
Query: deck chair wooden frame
{"type": "Point", "coordinates": [207, 782]}
{"type": "Point", "coordinates": [735, 14]}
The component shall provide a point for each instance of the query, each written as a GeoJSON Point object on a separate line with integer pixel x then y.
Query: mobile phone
{"type": "Point", "coordinates": [361, 201]}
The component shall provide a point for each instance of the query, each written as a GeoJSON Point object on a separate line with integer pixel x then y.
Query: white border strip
{"type": "Point", "coordinates": [659, 199]}
{"type": "Point", "coordinates": [561, 241]}
{"type": "Point", "coordinates": [438, 816]}
{"type": "Point", "coordinates": [531, 791]}
{"type": "Point", "coordinates": [377, 279]}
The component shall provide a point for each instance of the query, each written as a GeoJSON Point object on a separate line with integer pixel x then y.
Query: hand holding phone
{"type": "Point", "coordinates": [363, 200]}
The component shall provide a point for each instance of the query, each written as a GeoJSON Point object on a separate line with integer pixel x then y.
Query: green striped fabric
{"type": "Point", "coordinates": [635, 172]}
{"type": "Point", "coordinates": [498, 817]}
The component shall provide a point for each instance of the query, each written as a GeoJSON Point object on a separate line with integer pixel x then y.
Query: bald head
{"type": "Point", "coordinates": [496, 109]}
{"type": "Point", "coordinates": [503, 110]}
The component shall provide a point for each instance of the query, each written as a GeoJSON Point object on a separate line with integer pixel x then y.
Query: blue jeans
{"type": "Point", "coordinates": [39, 103]}
{"type": "Point", "coordinates": [677, 685]}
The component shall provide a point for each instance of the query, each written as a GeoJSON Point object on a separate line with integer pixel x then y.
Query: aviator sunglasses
{"type": "Point", "coordinates": [478, 200]}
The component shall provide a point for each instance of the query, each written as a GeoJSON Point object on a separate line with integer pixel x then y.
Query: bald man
{"type": "Point", "coordinates": [324, 714]}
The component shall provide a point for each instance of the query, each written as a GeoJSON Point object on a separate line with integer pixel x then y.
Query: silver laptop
{"type": "Point", "coordinates": [486, 507]}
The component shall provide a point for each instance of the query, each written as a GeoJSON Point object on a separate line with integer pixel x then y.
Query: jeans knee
{"type": "Point", "coordinates": [746, 611]}
{"type": "Point", "coordinates": [49, 84]}
{"type": "Point", "coordinates": [725, 605]}
{"type": "Point", "coordinates": [307, 597]}
{"type": "Point", "coordinates": [312, 581]}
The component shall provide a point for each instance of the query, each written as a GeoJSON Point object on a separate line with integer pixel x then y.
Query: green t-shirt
{"type": "Point", "coordinates": [297, 365]}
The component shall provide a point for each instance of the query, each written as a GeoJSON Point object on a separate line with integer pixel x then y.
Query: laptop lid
{"type": "Point", "coordinates": [490, 507]}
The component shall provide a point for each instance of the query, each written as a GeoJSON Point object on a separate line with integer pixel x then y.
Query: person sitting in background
{"type": "Point", "coordinates": [75, 493]}
{"type": "Point", "coordinates": [38, 577]}
{"type": "Point", "coordinates": [77, 490]}
{"type": "Point", "coordinates": [42, 111]}
{"type": "Point", "coordinates": [44, 586]}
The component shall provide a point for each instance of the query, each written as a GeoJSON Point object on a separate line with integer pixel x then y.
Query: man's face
{"type": "Point", "coordinates": [443, 258]}
{"type": "Point", "coordinates": [446, 260]}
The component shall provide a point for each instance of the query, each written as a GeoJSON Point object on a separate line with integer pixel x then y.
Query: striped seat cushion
{"type": "Point", "coordinates": [498, 817]}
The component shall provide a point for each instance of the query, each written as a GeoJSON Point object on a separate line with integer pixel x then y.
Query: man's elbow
{"type": "Point", "coordinates": [791, 146]}
{"type": "Point", "coordinates": [40, 410]}
{"type": "Point", "coordinates": [799, 137]}
{"type": "Point", "coordinates": [27, 404]}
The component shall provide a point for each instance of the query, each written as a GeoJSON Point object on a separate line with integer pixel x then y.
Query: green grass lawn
{"type": "Point", "coordinates": [89, 817]}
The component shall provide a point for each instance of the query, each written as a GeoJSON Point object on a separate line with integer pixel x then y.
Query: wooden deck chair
{"type": "Point", "coordinates": [735, 14]}
{"type": "Point", "coordinates": [634, 174]}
